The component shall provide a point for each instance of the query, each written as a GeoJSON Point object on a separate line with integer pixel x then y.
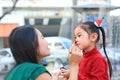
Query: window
{"type": "Point", "coordinates": [4, 53]}
{"type": "Point", "coordinates": [55, 21]}
{"type": "Point", "coordinates": [59, 46]}
{"type": "Point", "coordinates": [44, 21]}
{"type": "Point", "coordinates": [38, 21]}
{"type": "Point", "coordinates": [27, 21]}
{"type": "Point", "coordinates": [50, 45]}
{"type": "Point", "coordinates": [67, 44]}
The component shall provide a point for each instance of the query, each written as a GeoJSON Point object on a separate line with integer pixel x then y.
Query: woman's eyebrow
{"type": "Point", "coordinates": [41, 35]}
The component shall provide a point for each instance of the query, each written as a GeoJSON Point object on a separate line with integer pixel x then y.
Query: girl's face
{"type": "Point", "coordinates": [83, 40]}
{"type": "Point", "coordinates": [43, 49]}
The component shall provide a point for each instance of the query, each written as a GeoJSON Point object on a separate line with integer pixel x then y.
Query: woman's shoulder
{"type": "Point", "coordinates": [33, 68]}
{"type": "Point", "coordinates": [29, 64]}
{"type": "Point", "coordinates": [27, 70]}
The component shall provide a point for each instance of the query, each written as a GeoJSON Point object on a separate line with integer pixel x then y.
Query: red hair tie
{"type": "Point", "coordinates": [98, 22]}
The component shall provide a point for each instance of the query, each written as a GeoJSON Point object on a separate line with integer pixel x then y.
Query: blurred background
{"type": "Point", "coordinates": [57, 19]}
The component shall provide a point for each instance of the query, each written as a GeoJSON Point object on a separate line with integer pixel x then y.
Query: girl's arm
{"type": "Point", "coordinates": [74, 57]}
{"type": "Point", "coordinates": [74, 72]}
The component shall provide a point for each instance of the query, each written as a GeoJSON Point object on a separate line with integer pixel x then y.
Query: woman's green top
{"type": "Point", "coordinates": [26, 71]}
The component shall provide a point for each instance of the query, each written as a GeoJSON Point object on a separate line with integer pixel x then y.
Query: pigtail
{"type": "Point", "coordinates": [109, 63]}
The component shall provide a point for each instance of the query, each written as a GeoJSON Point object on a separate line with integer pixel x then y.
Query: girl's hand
{"type": "Point", "coordinates": [74, 58]}
{"type": "Point", "coordinates": [75, 55]}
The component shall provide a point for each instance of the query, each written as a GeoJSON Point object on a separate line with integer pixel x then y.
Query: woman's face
{"type": "Point", "coordinates": [83, 40]}
{"type": "Point", "coordinates": [43, 49]}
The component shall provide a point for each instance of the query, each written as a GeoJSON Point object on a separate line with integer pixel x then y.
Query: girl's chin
{"type": "Point", "coordinates": [80, 48]}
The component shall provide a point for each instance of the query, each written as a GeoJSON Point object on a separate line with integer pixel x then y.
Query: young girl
{"type": "Point", "coordinates": [92, 65]}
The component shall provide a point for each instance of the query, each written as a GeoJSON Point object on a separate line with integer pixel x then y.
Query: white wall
{"type": "Point", "coordinates": [0, 8]}
{"type": "Point", "coordinates": [13, 19]}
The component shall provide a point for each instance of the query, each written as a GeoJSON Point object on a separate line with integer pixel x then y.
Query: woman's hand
{"type": "Point", "coordinates": [64, 74]}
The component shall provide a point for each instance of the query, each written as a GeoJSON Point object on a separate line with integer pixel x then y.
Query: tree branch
{"type": "Point", "coordinates": [9, 11]}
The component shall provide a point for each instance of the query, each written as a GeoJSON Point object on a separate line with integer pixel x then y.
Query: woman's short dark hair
{"type": "Point", "coordinates": [24, 43]}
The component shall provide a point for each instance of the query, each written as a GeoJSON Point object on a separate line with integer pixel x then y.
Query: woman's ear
{"type": "Point", "coordinates": [93, 37]}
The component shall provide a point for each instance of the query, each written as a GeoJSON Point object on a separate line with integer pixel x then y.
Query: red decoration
{"type": "Point", "coordinates": [99, 21]}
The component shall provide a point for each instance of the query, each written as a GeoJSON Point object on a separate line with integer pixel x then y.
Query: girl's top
{"type": "Point", "coordinates": [26, 71]}
{"type": "Point", "coordinates": [93, 66]}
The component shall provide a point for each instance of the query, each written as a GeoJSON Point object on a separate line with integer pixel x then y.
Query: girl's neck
{"type": "Point", "coordinates": [90, 48]}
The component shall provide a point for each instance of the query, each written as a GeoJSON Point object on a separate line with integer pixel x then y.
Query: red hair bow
{"type": "Point", "coordinates": [99, 21]}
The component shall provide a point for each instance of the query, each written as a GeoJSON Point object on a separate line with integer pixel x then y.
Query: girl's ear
{"type": "Point", "coordinates": [93, 37]}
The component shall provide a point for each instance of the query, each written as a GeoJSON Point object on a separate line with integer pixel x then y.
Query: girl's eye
{"type": "Point", "coordinates": [79, 35]}
{"type": "Point", "coordinates": [74, 37]}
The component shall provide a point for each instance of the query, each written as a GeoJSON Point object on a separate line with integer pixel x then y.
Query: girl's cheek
{"type": "Point", "coordinates": [82, 37]}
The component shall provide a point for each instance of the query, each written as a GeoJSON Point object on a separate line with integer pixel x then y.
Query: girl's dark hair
{"type": "Point", "coordinates": [23, 44]}
{"type": "Point", "coordinates": [90, 28]}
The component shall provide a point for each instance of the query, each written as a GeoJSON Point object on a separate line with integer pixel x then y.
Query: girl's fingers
{"type": "Point", "coordinates": [70, 50]}
{"type": "Point", "coordinates": [74, 50]}
{"type": "Point", "coordinates": [74, 42]}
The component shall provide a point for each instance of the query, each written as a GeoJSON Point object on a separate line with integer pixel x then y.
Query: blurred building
{"type": "Point", "coordinates": [116, 31]}
{"type": "Point", "coordinates": [53, 17]}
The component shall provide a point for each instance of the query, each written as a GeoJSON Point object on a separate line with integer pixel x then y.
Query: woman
{"type": "Point", "coordinates": [28, 47]}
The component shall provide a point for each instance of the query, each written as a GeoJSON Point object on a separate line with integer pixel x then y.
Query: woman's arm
{"type": "Point", "coordinates": [44, 76]}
